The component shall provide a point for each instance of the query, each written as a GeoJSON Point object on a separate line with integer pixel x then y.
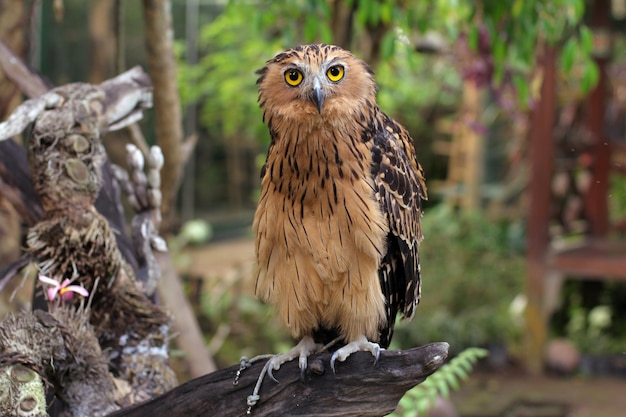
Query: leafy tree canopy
{"type": "Point", "coordinates": [494, 42]}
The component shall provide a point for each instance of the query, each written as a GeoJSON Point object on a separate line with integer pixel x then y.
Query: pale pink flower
{"type": "Point", "coordinates": [64, 289]}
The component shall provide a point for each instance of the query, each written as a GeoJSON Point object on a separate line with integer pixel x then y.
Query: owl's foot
{"type": "Point", "coordinates": [359, 345]}
{"type": "Point", "coordinates": [302, 350]}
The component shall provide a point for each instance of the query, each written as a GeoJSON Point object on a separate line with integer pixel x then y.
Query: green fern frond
{"type": "Point", "coordinates": [441, 383]}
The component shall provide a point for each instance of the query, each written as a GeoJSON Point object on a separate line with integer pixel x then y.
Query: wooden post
{"type": "Point", "coordinates": [466, 153]}
{"type": "Point", "coordinates": [596, 203]}
{"type": "Point", "coordinates": [473, 146]}
{"type": "Point", "coordinates": [541, 160]}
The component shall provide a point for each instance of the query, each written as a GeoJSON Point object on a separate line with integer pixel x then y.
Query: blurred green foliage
{"type": "Point", "coordinates": [252, 327]}
{"type": "Point", "coordinates": [505, 33]}
{"type": "Point", "coordinates": [589, 317]}
{"type": "Point", "coordinates": [473, 270]}
{"type": "Point", "coordinates": [224, 80]}
{"type": "Point", "coordinates": [420, 399]}
{"type": "Point", "coordinates": [617, 197]}
{"type": "Point", "coordinates": [492, 42]}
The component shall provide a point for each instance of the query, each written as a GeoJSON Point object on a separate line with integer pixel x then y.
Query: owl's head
{"type": "Point", "coordinates": [314, 83]}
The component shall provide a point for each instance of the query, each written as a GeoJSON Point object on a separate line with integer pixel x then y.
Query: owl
{"type": "Point", "coordinates": [338, 222]}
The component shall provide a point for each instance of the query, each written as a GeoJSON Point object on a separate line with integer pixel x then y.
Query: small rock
{"type": "Point", "coordinates": [562, 357]}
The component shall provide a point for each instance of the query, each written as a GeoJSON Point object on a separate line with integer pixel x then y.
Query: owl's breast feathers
{"type": "Point", "coordinates": [338, 225]}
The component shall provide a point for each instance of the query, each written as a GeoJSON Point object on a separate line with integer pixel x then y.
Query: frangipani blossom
{"type": "Point", "coordinates": [64, 289]}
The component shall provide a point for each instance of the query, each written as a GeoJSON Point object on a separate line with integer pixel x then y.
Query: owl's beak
{"type": "Point", "coordinates": [317, 96]}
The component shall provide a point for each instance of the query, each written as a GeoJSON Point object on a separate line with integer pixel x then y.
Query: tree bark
{"type": "Point", "coordinates": [168, 120]}
{"type": "Point", "coordinates": [359, 388]}
{"type": "Point", "coordinates": [188, 333]}
{"type": "Point", "coordinates": [101, 41]}
{"type": "Point", "coordinates": [12, 34]}
{"type": "Point", "coordinates": [341, 23]}
{"type": "Point", "coordinates": [12, 30]}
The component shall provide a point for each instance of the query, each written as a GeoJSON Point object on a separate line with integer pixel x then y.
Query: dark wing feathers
{"type": "Point", "coordinates": [400, 187]}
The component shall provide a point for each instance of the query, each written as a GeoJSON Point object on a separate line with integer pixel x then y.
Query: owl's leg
{"type": "Point", "coordinates": [360, 344]}
{"type": "Point", "coordinates": [302, 350]}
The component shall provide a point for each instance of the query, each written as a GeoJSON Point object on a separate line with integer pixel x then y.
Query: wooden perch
{"type": "Point", "coordinates": [359, 388]}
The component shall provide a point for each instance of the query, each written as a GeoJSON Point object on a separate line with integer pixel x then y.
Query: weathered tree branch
{"type": "Point", "coordinates": [359, 388]}
{"type": "Point", "coordinates": [61, 349]}
{"type": "Point", "coordinates": [16, 70]}
{"type": "Point", "coordinates": [124, 99]}
{"type": "Point", "coordinates": [189, 335]}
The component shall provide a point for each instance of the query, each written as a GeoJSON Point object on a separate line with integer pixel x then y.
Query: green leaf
{"type": "Point", "coordinates": [363, 11]}
{"type": "Point", "coordinates": [586, 40]}
{"type": "Point", "coordinates": [327, 35]}
{"type": "Point", "coordinates": [579, 9]}
{"type": "Point", "coordinates": [522, 88]}
{"type": "Point", "coordinates": [453, 381]}
{"type": "Point", "coordinates": [499, 50]}
{"type": "Point", "coordinates": [568, 53]}
{"type": "Point", "coordinates": [388, 45]}
{"type": "Point", "coordinates": [590, 76]}
{"type": "Point", "coordinates": [423, 404]}
{"type": "Point", "coordinates": [452, 29]}
{"type": "Point", "coordinates": [310, 28]}
{"type": "Point", "coordinates": [443, 388]}
{"type": "Point", "coordinates": [518, 5]}
{"type": "Point", "coordinates": [406, 401]}
{"type": "Point", "coordinates": [374, 15]}
{"type": "Point", "coordinates": [464, 364]}
{"type": "Point", "coordinates": [386, 12]}
{"type": "Point", "coordinates": [472, 38]}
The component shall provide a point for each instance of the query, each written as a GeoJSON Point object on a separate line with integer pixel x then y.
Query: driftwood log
{"type": "Point", "coordinates": [359, 388]}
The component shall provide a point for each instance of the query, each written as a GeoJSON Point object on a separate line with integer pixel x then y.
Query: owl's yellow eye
{"type": "Point", "coordinates": [293, 77]}
{"type": "Point", "coordinates": [335, 73]}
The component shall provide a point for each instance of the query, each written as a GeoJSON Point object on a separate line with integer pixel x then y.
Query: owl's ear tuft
{"type": "Point", "coordinates": [261, 72]}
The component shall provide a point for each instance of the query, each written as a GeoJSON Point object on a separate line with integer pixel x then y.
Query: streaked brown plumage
{"type": "Point", "coordinates": [338, 222]}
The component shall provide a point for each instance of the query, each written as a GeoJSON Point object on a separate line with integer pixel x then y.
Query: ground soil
{"type": "Point", "coordinates": [522, 395]}
{"type": "Point", "coordinates": [486, 394]}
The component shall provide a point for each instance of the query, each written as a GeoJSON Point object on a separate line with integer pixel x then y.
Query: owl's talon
{"type": "Point", "coordinates": [270, 372]}
{"type": "Point", "coordinates": [332, 363]}
{"type": "Point", "coordinates": [302, 350]}
{"type": "Point", "coordinates": [377, 350]}
{"type": "Point", "coordinates": [359, 345]}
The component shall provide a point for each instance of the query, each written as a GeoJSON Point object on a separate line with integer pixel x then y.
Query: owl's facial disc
{"type": "Point", "coordinates": [317, 95]}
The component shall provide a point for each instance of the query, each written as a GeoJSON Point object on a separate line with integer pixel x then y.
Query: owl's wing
{"type": "Point", "coordinates": [400, 187]}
